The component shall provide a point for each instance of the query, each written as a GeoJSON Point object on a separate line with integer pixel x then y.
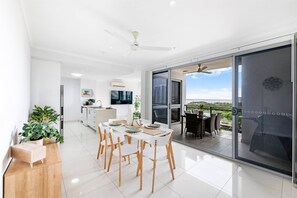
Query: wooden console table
{"type": "Point", "coordinates": [42, 180]}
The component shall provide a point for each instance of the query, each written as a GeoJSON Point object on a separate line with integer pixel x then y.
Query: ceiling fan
{"type": "Point", "coordinates": [135, 45]}
{"type": "Point", "coordinates": [199, 70]}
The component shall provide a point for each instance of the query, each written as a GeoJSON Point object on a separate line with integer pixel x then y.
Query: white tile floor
{"type": "Point", "coordinates": [198, 174]}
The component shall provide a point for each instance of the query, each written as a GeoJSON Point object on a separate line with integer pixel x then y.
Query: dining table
{"type": "Point", "coordinates": [205, 117]}
{"type": "Point", "coordinates": [141, 137]}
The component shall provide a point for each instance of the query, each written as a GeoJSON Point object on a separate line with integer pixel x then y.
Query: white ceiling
{"type": "Point", "coordinates": [73, 31]}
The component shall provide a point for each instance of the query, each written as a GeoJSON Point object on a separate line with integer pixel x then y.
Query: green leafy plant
{"type": "Point", "coordinates": [40, 125]}
{"type": "Point", "coordinates": [136, 113]}
{"type": "Point", "coordinates": [44, 115]}
{"type": "Point", "coordinates": [32, 131]}
{"type": "Point", "coordinates": [36, 131]}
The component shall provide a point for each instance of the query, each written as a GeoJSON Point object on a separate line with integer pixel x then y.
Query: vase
{"type": "Point", "coordinates": [200, 114]}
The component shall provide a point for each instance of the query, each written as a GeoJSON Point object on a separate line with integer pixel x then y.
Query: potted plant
{"type": "Point", "coordinates": [136, 113]}
{"type": "Point", "coordinates": [36, 132]}
{"type": "Point", "coordinates": [44, 115]}
{"type": "Point", "coordinates": [40, 126]}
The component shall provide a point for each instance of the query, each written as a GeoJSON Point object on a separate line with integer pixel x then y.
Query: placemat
{"type": "Point", "coordinates": [152, 132]}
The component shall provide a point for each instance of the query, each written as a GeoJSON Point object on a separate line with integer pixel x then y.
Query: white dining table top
{"type": "Point", "coordinates": [137, 136]}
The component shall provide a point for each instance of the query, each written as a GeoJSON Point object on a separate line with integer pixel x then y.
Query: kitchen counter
{"type": "Point", "coordinates": [92, 115]}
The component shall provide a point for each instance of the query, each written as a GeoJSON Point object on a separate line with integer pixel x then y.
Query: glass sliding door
{"type": "Point", "coordinates": [294, 69]}
{"type": "Point", "coordinates": [175, 101]}
{"type": "Point", "coordinates": [263, 109]}
{"type": "Point", "coordinates": [160, 96]}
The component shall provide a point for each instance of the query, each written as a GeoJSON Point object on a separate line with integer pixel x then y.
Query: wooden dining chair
{"type": "Point", "coordinates": [161, 150]}
{"type": "Point", "coordinates": [166, 126]}
{"type": "Point", "coordinates": [101, 134]}
{"type": "Point", "coordinates": [122, 151]}
{"type": "Point", "coordinates": [104, 142]}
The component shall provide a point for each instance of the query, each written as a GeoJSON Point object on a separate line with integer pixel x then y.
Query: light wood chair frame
{"type": "Point", "coordinates": [170, 158]}
{"type": "Point", "coordinates": [119, 144]}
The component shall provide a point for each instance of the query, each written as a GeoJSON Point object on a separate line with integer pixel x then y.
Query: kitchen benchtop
{"type": "Point", "coordinates": [92, 106]}
{"type": "Point", "coordinates": [96, 107]}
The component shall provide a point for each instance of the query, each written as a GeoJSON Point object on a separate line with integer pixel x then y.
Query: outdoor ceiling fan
{"type": "Point", "coordinates": [135, 45]}
{"type": "Point", "coordinates": [199, 70]}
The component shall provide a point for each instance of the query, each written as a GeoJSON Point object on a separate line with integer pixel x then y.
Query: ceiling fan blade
{"type": "Point", "coordinates": [118, 36]}
{"type": "Point", "coordinates": [155, 48]}
{"type": "Point", "coordinates": [203, 68]}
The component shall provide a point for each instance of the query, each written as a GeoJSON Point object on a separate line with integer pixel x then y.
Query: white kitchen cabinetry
{"type": "Point", "coordinates": [103, 115]}
{"type": "Point", "coordinates": [84, 116]}
{"type": "Point", "coordinates": [92, 116]}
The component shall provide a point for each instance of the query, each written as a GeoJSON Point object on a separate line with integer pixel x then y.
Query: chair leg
{"type": "Point", "coordinates": [105, 153]}
{"type": "Point", "coordinates": [110, 158]}
{"type": "Point", "coordinates": [170, 165]}
{"type": "Point", "coordinates": [102, 148]}
{"type": "Point", "coordinates": [120, 171]}
{"type": "Point", "coordinates": [99, 150]}
{"type": "Point", "coordinates": [154, 173]}
{"type": "Point", "coordinates": [129, 159]}
{"type": "Point", "coordinates": [137, 171]}
{"type": "Point", "coordinates": [172, 157]}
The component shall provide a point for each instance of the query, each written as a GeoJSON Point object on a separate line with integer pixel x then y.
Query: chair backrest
{"type": "Point", "coordinates": [212, 122]}
{"type": "Point", "coordinates": [162, 125]}
{"type": "Point", "coordinates": [101, 131]}
{"type": "Point", "coordinates": [116, 138]}
{"type": "Point", "coordinates": [218, 121]}
{"type": "Point", "coordinates": [192, 122]}
{"type": "Point", "coordinates": [161, 140]}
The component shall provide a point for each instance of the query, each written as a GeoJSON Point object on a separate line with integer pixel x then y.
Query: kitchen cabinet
{"type": "Point", "coordinates": [103, 115]}
{"type": "Point", "coordinates": [91, 122]}
{"type": "Point", "coordinates": [91, 115]}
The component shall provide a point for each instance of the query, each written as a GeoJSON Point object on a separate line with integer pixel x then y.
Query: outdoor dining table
{"type": "Point", "coordinates": [205, 116]}
{"type": "Point", "coordinates": [141, 137]}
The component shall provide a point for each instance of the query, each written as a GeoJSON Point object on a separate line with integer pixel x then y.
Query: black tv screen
{"type": "Point", "coordinates": [121, 97]}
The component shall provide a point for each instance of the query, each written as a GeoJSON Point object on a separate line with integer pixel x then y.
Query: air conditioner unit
{"type": "Point", "coordinates": [117, 84]}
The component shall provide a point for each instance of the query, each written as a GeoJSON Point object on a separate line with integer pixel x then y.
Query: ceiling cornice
{"type": "Point", "coordinates": [61, 56]}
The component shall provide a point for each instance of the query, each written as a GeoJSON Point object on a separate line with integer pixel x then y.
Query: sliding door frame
{"type": "Point", "coordinates": [235, 126]}
{"type": "Point", "coordinates": [294, 110]}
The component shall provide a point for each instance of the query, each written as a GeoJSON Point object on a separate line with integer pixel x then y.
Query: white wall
{"type": "Point", "coordinates": [103, 94]}
{"type": "Point", "coordinates": [45, 83]}
{"type": "Point", "coordinates": [72, 102]}
{"type": "Point", "coordinates": [146, 95]}
{"type": "Point", "coordinates": [15, 78]}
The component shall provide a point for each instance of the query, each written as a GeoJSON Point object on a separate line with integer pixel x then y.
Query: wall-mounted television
{"type": "Point", "coordinates": [121, 97]}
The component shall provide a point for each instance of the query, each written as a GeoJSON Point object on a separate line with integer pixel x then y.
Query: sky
{"type": "Point", "coordinates": [217, 85]}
